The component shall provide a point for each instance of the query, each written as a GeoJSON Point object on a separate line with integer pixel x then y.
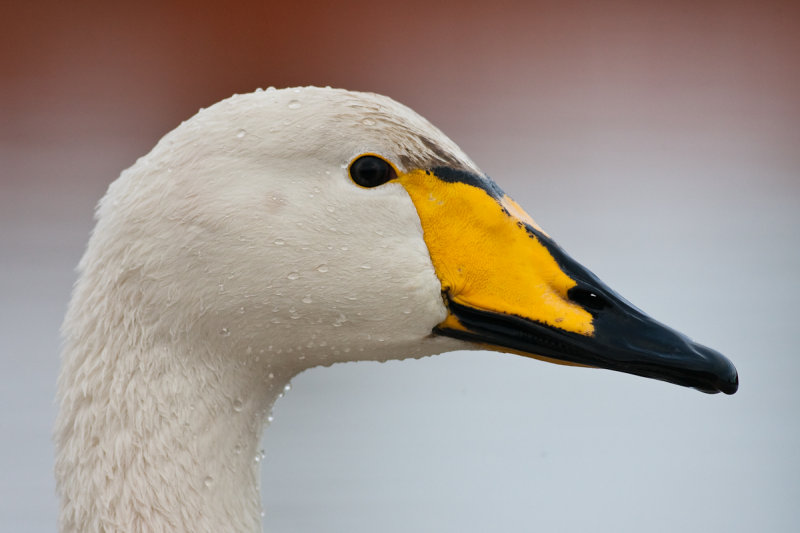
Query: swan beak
{"type": "Point", "coordinates": [509, 287]}
{"type": "Point", "coordinates": [624, 339]}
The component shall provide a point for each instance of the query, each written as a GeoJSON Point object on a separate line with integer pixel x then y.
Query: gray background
{"type": "Point", "coordinates": [659, 146]}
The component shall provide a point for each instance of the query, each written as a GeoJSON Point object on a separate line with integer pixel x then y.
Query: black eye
{"type": "Point", "coordinates": [371, 171]}
{"type": "Point", "coordinates": [587, 299]}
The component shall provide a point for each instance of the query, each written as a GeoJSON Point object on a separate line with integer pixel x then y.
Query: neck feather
{"type": "Point", "coordinates": [160, 439]}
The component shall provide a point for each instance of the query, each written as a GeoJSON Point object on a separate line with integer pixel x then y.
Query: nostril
{"type": "Point", "coordinates": [587, 298]}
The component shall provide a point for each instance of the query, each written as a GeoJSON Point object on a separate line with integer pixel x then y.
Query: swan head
{"type": "Point", "coordinates": [308, 226]}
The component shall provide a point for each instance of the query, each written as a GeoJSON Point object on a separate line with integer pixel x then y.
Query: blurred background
{"type": "Point", "coordinates": [659, 143]}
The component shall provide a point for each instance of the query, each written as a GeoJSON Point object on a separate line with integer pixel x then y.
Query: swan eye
{"type": "Point", "coordinates": [371, 171]}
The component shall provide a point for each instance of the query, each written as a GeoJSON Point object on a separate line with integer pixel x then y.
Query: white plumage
{"type": "Point", "coordinates": [231, 257]}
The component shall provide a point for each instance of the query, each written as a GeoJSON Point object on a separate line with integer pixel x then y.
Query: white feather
{"type": "Point", "coordinates": [234, 255]}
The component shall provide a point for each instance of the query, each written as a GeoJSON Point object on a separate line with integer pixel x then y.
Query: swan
{"type": "Point", "coordinates": [285, 229]}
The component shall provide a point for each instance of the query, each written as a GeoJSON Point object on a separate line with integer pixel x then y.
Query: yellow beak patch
{"type": "Point", "coordinates": [485, 257]}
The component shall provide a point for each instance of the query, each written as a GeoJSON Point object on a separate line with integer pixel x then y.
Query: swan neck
{"type": "Point", "coordinates": [161, 439]}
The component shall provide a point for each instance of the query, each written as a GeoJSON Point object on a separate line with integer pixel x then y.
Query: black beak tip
{"type": "Point", "coordinates": [731, 384]}
{"type": "Point", "coordinates": [727, 385]}
{"type": "Point", "coordinates": [723, 377]}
